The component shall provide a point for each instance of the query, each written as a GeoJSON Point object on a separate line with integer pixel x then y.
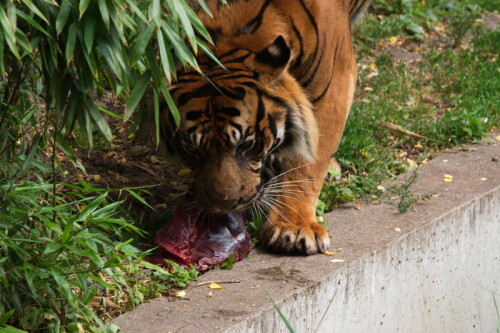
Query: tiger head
{"type": "Point", "coordinates": [236, 120]}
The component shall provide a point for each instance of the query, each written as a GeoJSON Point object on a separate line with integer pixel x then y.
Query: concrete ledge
{"type": "Point", "coordinates": [436, 275]}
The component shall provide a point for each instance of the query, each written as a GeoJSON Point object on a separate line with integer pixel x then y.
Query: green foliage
{"type": "Point", "coordinates": [450, 96]}
{"type": "Point", "coordinates": [404, 199]}
{"type": "Point", "coordinates": [60, 55]}
{"type": "Point", "coordinates": [57, 254]}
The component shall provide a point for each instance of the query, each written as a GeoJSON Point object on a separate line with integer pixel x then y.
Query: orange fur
{"type": "Point", "coordinates": [286, 97]}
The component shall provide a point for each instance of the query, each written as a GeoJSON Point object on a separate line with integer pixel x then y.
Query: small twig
{"type": "Point", "coordinates": [219, 282]}
{"type": "Point", "coordinates": [398, 129]}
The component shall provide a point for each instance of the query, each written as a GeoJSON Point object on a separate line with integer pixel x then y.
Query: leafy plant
{"type": "Point", "coordinates": [404, 199]}
{"type": "Point", "coordinates": [58, 254]}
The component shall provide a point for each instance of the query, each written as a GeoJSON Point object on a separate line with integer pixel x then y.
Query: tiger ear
{"type": "Point", "coordinates": [275, 55]}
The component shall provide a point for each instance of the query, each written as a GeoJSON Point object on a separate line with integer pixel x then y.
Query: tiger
{"type": "Point", "coordinates": [261, 131]}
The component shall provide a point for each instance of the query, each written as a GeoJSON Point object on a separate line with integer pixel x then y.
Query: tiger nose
{"type": "Point", "coordinates": [220, 202]}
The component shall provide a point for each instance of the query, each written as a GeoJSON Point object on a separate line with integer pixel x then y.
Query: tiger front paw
{"type": "Point", "coordinates": [286, 237]}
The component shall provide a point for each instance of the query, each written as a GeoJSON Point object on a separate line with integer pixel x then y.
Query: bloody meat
{"type": "Point", "coordinates": [201, 239]}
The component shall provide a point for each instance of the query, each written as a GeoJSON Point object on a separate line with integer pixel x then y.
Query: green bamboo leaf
{"type": "Point", "coordinates": [156, 109]}
{"type": "Point", "coordinates": [138, 197]}
{"type": "Point", "coordinates": [52, 247]}
{"type": "Point", "coordinates": [205, 7]}
{"type": "Point", "coordinates": [89, 33]}
{"type": "Point", "coordinates": [33, 23]}
{"type": "Point", "coordinates": [92, 206]}
{"type": "Point", "coordinates": [101, 282]}
{"type": "Point", "coordinates": [29, 159]}
{"type": "Point", "coordinates": [164, 56]}
{"type": "Point", "coordinates": [86, 127]}
{"type": "Point", "coordinates": [68, 151]}
{"type": "Point", "coordinates": [112, 114]}
{"type": "Point", "coordinates": [182, 51]}
{"type": "Point", "coordinates": [137, 11]}
{"type": "Point", "coordinates": [101, 123]}
{"type": "Point", "coordinates": [136, 95]}
{"type": "Point", "coordinates": [103, 8]}
{"type": "Point", "coordinates": [2, 68]}
{"type": "Point", "coordinates": [195, 21]}
{"type": "Point", "coordinates": [71, 42]}
{"type": "Point", "coordinates": [140, 44]}
{"type": "Point", "coordinates": [12, 14]}
{"type": "Point", "coordinates": [91, 62]}
{"type": "Point", "coordinates": [35, 10]}
{"type": "Point", "coordinates": [155, 11]}
{"type": "Point", "coordinates": [62, 16]}
{"type": "Point", "coordinates": [209, 53]}
{"type": "Point", "coordinates": [63, 284]}
{"type": "Point", "coordinates": [172, 107]}
{"type": "Point", "coordinates": [84, 4]}
{"type": "Point", "coordinates": [11, 329]}
{"type": "Point", "coordinates": [9, 33]}
{"type": "Point", "coordinates": [186, 23]}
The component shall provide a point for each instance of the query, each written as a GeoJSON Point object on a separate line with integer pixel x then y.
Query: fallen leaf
{"type": "Point", "coordinates": [393, 40]}
{"type": "Point", "coordinates": [214, 285]}
{"type": "Point", "coordinates": [320, 218]}
{"type": "Point", "coordinates": [336, 260]}
{"type": "Point", "coordinates": [418, 146]}
{"type": "Point", "coordinates": [448, 178]}
{"type": "Point", "coordinates": [154, 159]}
{"type": "Point", "coordinates": [357, 207]}
{"type": "Point", "coordinates": [373, 65]}
{"type": "Point", "coordinates": [445, 161]}
{"type": "Point", "coordinates": [397, 229]}
{"type": "Point", "coordinates": [97, 178]}
{"type": "Point", "coordinates": [184, 172]}
{"type": "Point", "coordinates": [328, 253]}
{"type": "Point", "coordinates": [180, 294]}
{"type": "Point", "coordinates": [483, 179]}
{"type": "Point", "coordinates": [368, 89]}
{"type": "Point", "coordinates": [381, 188]}
{"type": "Point", "coordinates": [497, 138]}
{"type": "Point", "coordinates": [209, 294]}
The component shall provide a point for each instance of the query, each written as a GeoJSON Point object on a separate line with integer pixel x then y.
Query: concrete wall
{"type": "Point", "coordinates": [437, 278]}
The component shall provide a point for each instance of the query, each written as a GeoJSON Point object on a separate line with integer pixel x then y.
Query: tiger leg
{"type": "Point", "coordinates": [291, 225]}
{"type": "Point", "coordinates": [291, 222]}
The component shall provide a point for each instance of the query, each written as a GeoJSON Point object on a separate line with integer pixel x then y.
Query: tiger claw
{"type": "Point", "coordinates": [290, 238]}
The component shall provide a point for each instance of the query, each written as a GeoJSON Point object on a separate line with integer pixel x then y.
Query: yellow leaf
{"type": "Point", "coordinates": [418, 146]}
{"type": "Point", "coordinates": [320, 218]}
{"type": "Point", "coordinates": [154, 159]}
{"type": "Point", "coordinates": [447, 178]}
{"type": "Point", "coordinates": [397, 229]}
{"type": "Point", "coordinates": [131, 136]}
{"type": "Point", "coordinates": [209, 294]}
{"type": "Point", "coordinates": [381, 188]}
{"type": "Point", "coordinates": [180, 294]}
{"type": "Point", "coordinates": [336, 260]}
{"type": "Point", "coordinates": [328, 253]}
{"type": "Point", "coordinates": [373, 65]}
{"type": "Point", "coordinates": [214, 285]}
{"type": "Point", "coordinates": [184, 172]}
{"type": "Point", "coordinates": [497, 138]}
{"type": "Point", "coordinates": [483, 179]}
{"type": "Point", "coordinates": [368, 89]}
{"type": "Point", "coordinates": [393, 40]}
{"type": "Point", "coordinates": [97, 178]}
{"type": "Point", "coordinates": [357, 207]}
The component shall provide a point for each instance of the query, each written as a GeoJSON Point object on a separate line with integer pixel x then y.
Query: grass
{"type": "Point", "coordinates": [449, 95]}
